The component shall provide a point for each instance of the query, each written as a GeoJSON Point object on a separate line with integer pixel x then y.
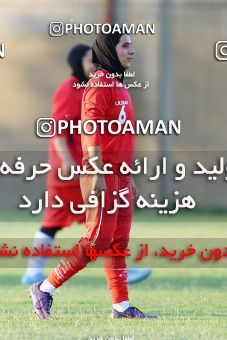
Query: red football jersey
{"type": "Point", "coordinates": [66, 106]}
{"type": "Point", "coordinates": [108, 103]}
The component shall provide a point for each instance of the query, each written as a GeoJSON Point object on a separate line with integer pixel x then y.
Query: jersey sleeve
{"type": "Point", "coordinates": [64, 103]}
{"type": "Point", "coordinates": [95, 106]}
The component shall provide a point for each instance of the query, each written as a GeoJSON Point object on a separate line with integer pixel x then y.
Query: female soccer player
{"type": "Point", "coordinates": [112, 53]}
{"type": "Point", "coordinates": [65, 150]}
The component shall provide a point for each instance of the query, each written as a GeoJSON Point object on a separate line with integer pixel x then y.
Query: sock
{"type": "Point", "coordinates": [47, 287]}
{"type": "Point", "coordinates": [117, 284]}
{"type": "Point", "coordinates": [117, 278]}
{"type": "Point", "coordinates": [121, 306]}
{"type": "Point", "coordinates": [69, 266]}
{"type": "Point", "coordinates": [37, 264]}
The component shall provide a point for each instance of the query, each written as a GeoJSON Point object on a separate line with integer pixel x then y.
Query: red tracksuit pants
{"type": "Point", "coordinates": [102, 230]}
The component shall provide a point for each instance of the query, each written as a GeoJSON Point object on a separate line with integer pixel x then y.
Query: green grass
{"type": "Point", "coordinates": [191, 303]}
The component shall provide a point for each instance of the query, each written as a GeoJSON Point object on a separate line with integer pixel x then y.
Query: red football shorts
{"type": "Point", "coordinates": [103, 228]}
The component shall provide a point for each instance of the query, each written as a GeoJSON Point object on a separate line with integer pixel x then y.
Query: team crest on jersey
{"type": "Point", "coordinates": [121, 102]}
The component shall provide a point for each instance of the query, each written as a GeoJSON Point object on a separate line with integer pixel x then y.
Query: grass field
{"type": "Point", "coordinates": [191, 303]}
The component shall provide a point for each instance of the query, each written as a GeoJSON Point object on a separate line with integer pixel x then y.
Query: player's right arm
{"type": "Point", "coordinates": [62, 106]}
{"type": "Point", "coordinates": [61, 148]}
{"type": "Point", "coordinates": [98, 181]}
{"type": "Point", "coordinates": [95, 106]}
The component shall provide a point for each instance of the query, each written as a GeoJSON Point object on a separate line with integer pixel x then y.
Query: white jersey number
{"type": "Point", "coordinates": [122, 115]}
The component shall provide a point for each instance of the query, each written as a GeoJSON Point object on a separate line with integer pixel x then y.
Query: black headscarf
{"type": "Point", "coordinates": [104, 53]}
{"type": "Point", "coordinates": [75, 61]}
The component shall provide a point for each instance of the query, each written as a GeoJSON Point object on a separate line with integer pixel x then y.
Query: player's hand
{"type": "Point", "coordinates": [98, 184]}
{"type": "Point", "coordinates": [66, 168]}
{"type": "Point", "coordinates": [134, 191]}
